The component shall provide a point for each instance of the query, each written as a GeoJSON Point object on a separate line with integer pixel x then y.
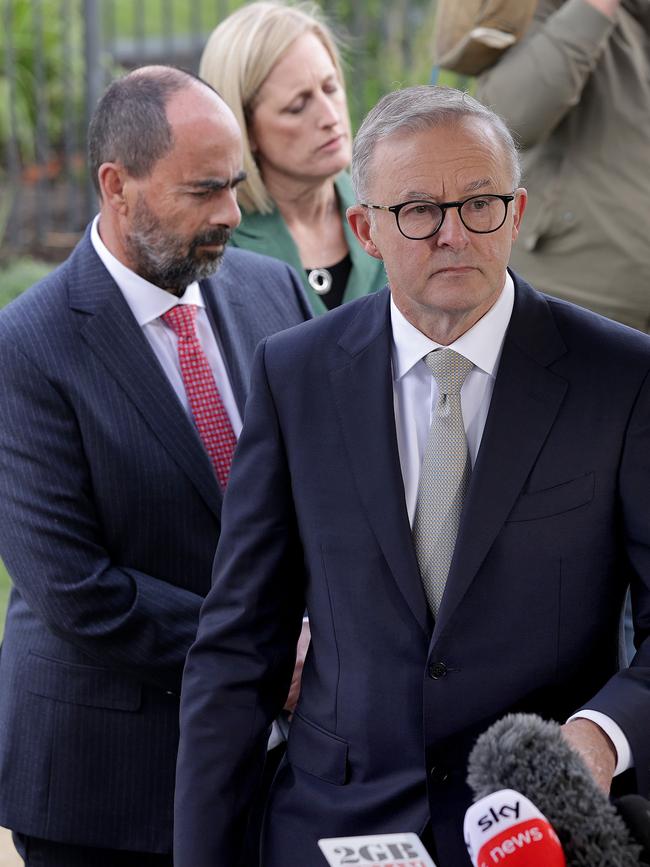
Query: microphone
{"type": "Point", "coordinates": [392, 850]}
{"type": "Point", "coordinates": [528, 754]}
{"type": "Point", "coordinates": [505, 828]}
{"type": "Point", "coordinates": [635, 812]}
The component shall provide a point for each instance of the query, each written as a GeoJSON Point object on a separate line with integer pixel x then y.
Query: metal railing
{"type": "Point", "coordinates": [56, 57]}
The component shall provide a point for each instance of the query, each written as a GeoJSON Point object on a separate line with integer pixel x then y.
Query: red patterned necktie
{"type": "Point", "coordinates": [203, 396]}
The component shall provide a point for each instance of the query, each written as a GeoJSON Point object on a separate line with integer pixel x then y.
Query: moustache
{"type": "Point", "coordinates": [211, 238]}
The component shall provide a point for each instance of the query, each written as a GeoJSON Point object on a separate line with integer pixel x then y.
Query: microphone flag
{"type": "Point", "coordinates": [386, 850]}
{"type": "Point", "coordinates": [505, 828]}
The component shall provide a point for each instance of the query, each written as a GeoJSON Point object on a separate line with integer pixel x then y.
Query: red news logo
{"type": "Point", "coordinates": [513, 845]}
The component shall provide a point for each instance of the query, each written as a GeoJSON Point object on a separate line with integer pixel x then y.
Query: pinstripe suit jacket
{"type": "Point", "coordinates": [109, 518]}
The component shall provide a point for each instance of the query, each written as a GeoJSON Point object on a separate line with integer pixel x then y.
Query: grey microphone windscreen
{"type": "Point", "coordinates": [529, 754]}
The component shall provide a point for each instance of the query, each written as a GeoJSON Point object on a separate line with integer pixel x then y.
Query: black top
{"type": "Point", "coordinates": [339, 274]}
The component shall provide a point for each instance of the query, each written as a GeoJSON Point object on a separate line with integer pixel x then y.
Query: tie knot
{"type": "Point", "coordinates": [181, 319]}
{"type": "Point", "coordinates": [449, 369]}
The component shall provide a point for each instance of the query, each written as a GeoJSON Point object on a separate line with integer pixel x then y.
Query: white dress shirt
{"type": "Point", "coordinates": [415, 391]}
{"type": "Point", "coordinates": [415, 394]}
{"type": "Point", "coordinates": [148, 303]}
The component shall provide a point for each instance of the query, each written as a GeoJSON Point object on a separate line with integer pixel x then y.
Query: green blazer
{"type": "Point", "coordinates": [268, 234]}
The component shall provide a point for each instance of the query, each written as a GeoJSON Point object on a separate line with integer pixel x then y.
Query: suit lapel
{"type": "Point", "coordinates": [113, 335]}
{"type": "Point", "coordinates": [526, 399]}
{"type": "Point", "coordinates": [220, 304]}
{"type": "Point", "coordinates": [363, 395]}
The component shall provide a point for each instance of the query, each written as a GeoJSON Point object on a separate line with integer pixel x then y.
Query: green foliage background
{"type": "Point", "coordinates": [60, 58]}
{"type": "Point", "coordinates": [374, 66]}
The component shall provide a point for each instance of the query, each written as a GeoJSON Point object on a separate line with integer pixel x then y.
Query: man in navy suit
{"type": "Point", "coordinates": [112, 468]}
{"type": "Point", "coordinates": [343, 425]}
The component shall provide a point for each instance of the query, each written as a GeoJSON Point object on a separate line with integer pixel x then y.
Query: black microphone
{"type": "Point", "coordinates": [529, 754]}
{"type": "Point", "coordinates": [635, 812]}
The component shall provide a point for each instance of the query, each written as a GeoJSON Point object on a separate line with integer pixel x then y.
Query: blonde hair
{"type": "Point", "coordinates": [237, 59]}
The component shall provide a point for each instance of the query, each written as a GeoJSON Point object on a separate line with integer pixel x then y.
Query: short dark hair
{"type": "Point", "coordinates": [130, 126]}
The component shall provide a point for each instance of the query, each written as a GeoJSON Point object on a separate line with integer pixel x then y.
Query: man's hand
{"type": "Point", "coordinates": [594, 747]}
{"type": "Point", "coordinates": [301, 652]}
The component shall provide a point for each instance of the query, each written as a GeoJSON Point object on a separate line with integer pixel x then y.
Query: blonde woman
{"type": "Point", "coordinates": [279, 69]}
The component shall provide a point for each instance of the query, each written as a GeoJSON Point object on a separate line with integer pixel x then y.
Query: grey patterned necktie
{"type": "Point", "coordinates": [443, 477]}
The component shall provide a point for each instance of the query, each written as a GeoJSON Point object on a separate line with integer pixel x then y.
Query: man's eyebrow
{"type": "Point", "coordinates": [217, 183]}
{"type": "Point", "coordinates": [471, 187]}
{"type": "Point", "coordinates": [479, 184]}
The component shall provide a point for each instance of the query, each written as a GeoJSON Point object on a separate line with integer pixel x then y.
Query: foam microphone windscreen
{"type": "Point", "coordinates": [528, 754]}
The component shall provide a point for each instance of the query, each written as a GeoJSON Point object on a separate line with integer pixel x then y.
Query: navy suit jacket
{"type": "Point", "coordinates": [555, 526]}
{"type": "Point", "coordinates": [109, 517]}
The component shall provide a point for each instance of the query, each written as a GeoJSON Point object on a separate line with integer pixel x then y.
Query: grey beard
{"type": "Point", "coordinates": [161, 262]}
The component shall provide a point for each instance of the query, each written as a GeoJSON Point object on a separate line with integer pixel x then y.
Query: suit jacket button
{"type": "Point", "coordinates": [437, 670]}
{"type": "Point", "coordinates": [438, 775]}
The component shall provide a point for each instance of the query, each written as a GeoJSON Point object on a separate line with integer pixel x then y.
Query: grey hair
{"type": "Point", "coordinates": [129, 125]}
{"type": "Point", "coordinates": [414, 109]}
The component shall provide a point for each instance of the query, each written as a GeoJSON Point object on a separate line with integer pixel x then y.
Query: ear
{"type": "Point", "coordinates": [518, 208]}
{"type": "Point", "coordinates": [359, 220]}
{"type": "Point", "coordinates": [112, 179]}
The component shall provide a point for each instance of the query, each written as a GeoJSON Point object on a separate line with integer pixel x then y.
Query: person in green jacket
{"type": "Point", "coordinates": [278, 68]}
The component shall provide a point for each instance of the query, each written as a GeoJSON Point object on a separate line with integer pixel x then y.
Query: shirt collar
{"type": "Point", "coordinates": [147, 301]}
{"type": "Point", "coordinates": [481, 344]}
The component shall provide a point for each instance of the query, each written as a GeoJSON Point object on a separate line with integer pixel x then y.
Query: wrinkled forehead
{"type": "Point", "coordinates": [444, 162]}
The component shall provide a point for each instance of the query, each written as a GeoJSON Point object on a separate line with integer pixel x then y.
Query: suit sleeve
{"type": "Point", "coordinates": [538, 81]}
{"type": "Point", "coordinates": [52, 545]}
{"type": "Point", "coordinates": [239, 669]}
{"type": "Point", "coordinates": [626, 697]}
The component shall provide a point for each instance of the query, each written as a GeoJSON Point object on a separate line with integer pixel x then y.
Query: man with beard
{"type": "Point", "coordinates": [124, 379]}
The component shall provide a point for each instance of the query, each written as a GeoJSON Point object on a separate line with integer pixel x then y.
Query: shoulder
{"type": "Point", "coordinates": [305, 358]}
{"type": "Point", "coordinates": [265, 272]}
{"type": "Point", "coordinates": [36, 332]}
{"type": "Point", "coordinates": [321, 338]}
{"type": "Point", "coordinates": [39, 306]}
{"type": "Point", "coordinates": [590, 340]}
{"type": "Point", "coordinates": [239, 261]}
{"type": "Point", "coordinates": [603, 335]}
{"type": "Point", "coordinates": [258, 281]}
{"type": "Point", "coordinates": [82, 274]}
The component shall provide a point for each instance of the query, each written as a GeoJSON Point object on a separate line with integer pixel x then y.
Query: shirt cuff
{"type": "Point", "coordinates": [615, 733]}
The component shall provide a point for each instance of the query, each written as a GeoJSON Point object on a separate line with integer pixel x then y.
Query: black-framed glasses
{"type": "Point", "coordinates": [420, 219]}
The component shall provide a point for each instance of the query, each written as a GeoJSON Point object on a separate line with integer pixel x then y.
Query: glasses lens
{"type": "Point", "coordinates": [419, 219]}
{"type": "Point", "coordinates": [483, 213]}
